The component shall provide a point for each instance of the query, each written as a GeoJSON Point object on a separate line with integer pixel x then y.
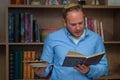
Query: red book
{"type": "Point", "coordinates": [17, 2]}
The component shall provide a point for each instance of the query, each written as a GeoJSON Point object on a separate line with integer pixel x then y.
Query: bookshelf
{"type": "Point", "coordinates": [108, 14]}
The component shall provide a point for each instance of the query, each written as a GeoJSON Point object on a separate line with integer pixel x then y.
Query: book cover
{"type": "Point", "coordinates": [11, 65]}
{"type": "Point", "coordinates": [21, 64]}
{"type": "Point", "coordinates": [38, 63]}
{"type": "Point", "coordinates": [28, 67]}
{"type": "Point", "coordinates": [11, 19]}
{"type": "Point", "coordinates": [74, 58]}
{"type": "Point", "coordinates": [32, 59]}
{"type": "Point", "coordinates": [25, 66]}
{"type": "Point", "coordinates": [16, 65]}
{"type": "Point", "coordinates": [17, 1]}
{"type": "Point", "coordinates": [17, 28]}
{"type": "Point", "coordinates": [27, 27]}
{"type": "Point", "coordinates": [22, 28]}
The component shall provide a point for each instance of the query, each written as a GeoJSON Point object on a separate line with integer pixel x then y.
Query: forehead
{"type": "Point", "coordinates": [75, 14]}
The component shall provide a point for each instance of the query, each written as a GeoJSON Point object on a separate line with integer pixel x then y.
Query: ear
{"type": "Point", "coordinates": [64, 22]}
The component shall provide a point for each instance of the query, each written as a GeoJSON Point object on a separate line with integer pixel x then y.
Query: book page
{"type": "Point", "coordinates": [96, 54]}
{"type": "Point", "coordinates": [94, 59]}
{"type": "Point", "coordinates": [38, 63]}
{"type": "Point", "coordinates": [75, 54]}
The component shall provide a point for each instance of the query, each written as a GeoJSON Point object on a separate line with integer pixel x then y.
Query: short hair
{"type": "Point", "coordinates": [71, 7]}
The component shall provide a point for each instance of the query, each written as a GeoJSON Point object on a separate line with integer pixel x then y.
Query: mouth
{"type": "Point", "coordinates": [78, 32]}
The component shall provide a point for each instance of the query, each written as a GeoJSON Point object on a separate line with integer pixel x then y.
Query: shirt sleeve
{"type": "Point", "coordinates": [100, 69]}
{"type": "Point", "coordinates": [47, 55]}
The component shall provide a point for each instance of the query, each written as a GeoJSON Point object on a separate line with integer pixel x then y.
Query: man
{"type": "Point", "coordinates": [73, 37]}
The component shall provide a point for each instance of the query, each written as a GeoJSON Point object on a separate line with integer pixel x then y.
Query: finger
{"type": "Point", "coordinates": [82, 68]}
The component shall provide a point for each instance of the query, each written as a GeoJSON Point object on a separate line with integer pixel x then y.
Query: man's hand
{"type": "Point", "coordinates": [82, 68]}
{"type": "Point", "coordinates": [39, 70]}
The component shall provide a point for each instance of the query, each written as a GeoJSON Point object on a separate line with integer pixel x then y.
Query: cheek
{"type": "Point", "coordinates": [64, 23]}
{"type": "Point", "coordinates": [71, 28]}
{"type": "Point", "coordinates": [81, 26]}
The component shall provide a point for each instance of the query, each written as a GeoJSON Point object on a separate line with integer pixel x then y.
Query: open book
{"type": "Point", "coordinates": [74, 58]}
{"type": "Point", "coordinates": [38, 63]}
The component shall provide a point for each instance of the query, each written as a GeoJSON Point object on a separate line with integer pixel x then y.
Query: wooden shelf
{"type": "Point", "coordinates": [112, 42]}
{"type": "Point", "coordinates": [35, 6]}
{"type": "Point", "coordinates": [101, 6]}
{"type": "Point", "coordinates": [61, 6]}
{"type": "Point", "coordinates": [41, 43]}
{"type": "Point", "coordinates": [2, 44]}
{"type": "Point", "coordinates": [113, 77]}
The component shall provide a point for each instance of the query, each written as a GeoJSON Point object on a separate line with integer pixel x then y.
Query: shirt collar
{"type": "Point", "coordinates": [76, 40]}
{"type": "Point", "coordinates": [86, 32]}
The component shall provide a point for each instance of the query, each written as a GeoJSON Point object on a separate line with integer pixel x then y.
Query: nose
{"type": "Point", "coordinates": [77, 26]}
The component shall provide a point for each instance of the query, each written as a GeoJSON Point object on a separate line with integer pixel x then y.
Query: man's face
{"type": "Point", "coordinates": [75, 23]}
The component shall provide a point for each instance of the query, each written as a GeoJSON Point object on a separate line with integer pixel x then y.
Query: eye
{"type": "Point", "coordinates": [80, 23]}
{"type": "Point", "coordinates": [73, 24]}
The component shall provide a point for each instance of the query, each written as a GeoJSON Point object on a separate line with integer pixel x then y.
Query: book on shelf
{"type": "Point", "coordinates": [16, 65]}
{"type": "Point", "coordinates": [11, 26]}
{"type": "Point", "coordinates": [74, 58]}
{"type": "Point", "coordinates": [18, 2]}
{"type": "Point", "coordinates": [11, 65]}
{"type": "Point", "coordinates": [22, 28]}
{"type": "Point", "coordinates": [29, 56]}
{"type": "Point", "coordinates": [94, 25]}
{"type": "Point", "coordinates": [17, 68]}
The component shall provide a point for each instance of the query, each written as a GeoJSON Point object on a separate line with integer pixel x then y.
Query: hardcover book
{"type": "Point", "coordinates": [38, 63]}
{"type": "Point", "coordinates": [74, 58]}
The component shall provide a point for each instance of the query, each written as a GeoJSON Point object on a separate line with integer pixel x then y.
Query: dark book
{"type": "Point", "coordinates": [74, 58]}
{"type": "Point", "coordinates": [16, 64]}
{"type": "Point", "coordinates": [11, 26]}
{"type": "Point", "coordinates": [22, 28]}
{"type": "Point", "coordinates": [20, 61]}
{"type": "Point", "coordinates": [36, 31]}
{"type": "Point", "coordinates": [17, 1]}
{"type": "Point", "coordinates": [17, 28]}
{"type": "Point", "coordinates": [27, 27]}
{"type": "Point", "coordinates": [11, 65]}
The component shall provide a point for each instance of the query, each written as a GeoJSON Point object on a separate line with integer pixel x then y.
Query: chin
{"type": "Point", "coordinates": [76, 36]}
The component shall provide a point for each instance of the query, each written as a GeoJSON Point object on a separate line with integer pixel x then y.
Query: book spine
{"type": "Point", "coordinates": [101, 30]}
{"type": "Point", "coordinates": [25, 65]}
{"type": "Point", "coordinates": [32, 59]}
{"type": "Point", "coordinates": [31, 28]}
{"type": "Point", "coordinates": [17, 27]}
{"type": "Point", "coordinates": [11, 26]}
{"type": "Point", "coordinates": [22, 28]}
{"type": "Point", "coordinates": [16, 1]}
{"type": "Point", "coordinates": [16, 65]}
{"type": "Point", "coordinates": [21, 64]}
{"type": "Point", "coordinates": [28, 67]}
{"type": "Point", "coordinates": [37, 32]}
{"type": "Point", "coordinates": [26, 27]}
{"type": "Point", "coordinates": [11, 65]}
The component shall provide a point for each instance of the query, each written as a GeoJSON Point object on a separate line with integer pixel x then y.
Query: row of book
{"type": "Point", "coordinates": [19, 2]}
{"type": "Point", "coordinates": [23, 28]}
{"type": "Point", "coordinates": [18, 68]}
{"type": "Point", "coordinates": [95, 25]}
{"type": "Point", "coordinates": [40, 2]}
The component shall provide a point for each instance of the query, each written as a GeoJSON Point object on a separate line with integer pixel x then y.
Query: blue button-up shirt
{"type": "Point", "coordinates": [56, 47]}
